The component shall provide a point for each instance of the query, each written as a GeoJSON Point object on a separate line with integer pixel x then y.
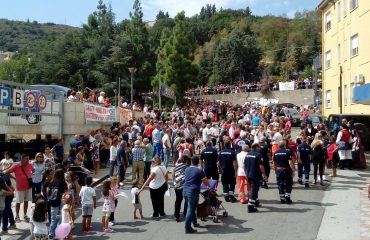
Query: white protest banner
{"type": "Point", "coordinates": [96, 114]}
{"type": "Point", "coordinates": [286, 86]}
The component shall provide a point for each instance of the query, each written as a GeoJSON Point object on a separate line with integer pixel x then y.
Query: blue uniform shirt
{"type": "Point", "coordinates": [226, 159]}
{"type": "Point", "coordinates": [209, 156]}
{"type": "Point", "coordinates": [282, 157]}
{"type": "Point", "coordinates": [304, 152]}
{"type": "Point", "coordinates": [252, 163]}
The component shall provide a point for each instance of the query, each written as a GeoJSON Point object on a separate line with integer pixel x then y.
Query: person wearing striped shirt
{"type": "Point", "coordinates": [179, 179]}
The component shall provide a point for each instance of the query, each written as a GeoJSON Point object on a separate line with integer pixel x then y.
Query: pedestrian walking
{"type": "Point", "coordinates": [88, 202]}
{"type": "Point", "coordinates": [193, 179]}
{"type": "Point", "coordinates": [23, 185]}
{"type": "Point", "coordinates": [157, 182]}
{"type": "Point", "coordinates": [284, 170]}
{"type": "Point", "coordinates": [138, 165]}
{"type": "Point", "coordinates": [254, 170]}
{"type": "Point", "coordinates": [228, 167]}
{"type": "Point", "coordinates": [108, 205]}
{"type": "Point", "coordinates": [242, 178]}
{"type": "Point", "coordinates": [318, 157]}
{"type": "Point", "coordinates": [208, 162]}
{"type": "Point", "coordinates": [179, 180]}
{"type": "Point", "coordinates": [304, 162]}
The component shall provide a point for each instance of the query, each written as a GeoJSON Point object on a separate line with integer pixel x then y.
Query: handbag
{"type": "Point", "coordinates": [28, 179]}
{"type": "Point", "coordinates": [168, 192]}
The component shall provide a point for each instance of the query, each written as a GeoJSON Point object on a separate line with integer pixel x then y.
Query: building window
{"type": "Point", "coordinates": [328, 21]}
{"type": "Point", "coordinates": [328, 59]}
{"type": "Point", "coordinates": [339, 9]}
{"type": "Point", "coordinates": [328, 99]}
{"type": "Point", "coordinates": [353, 4]}
{"type": "Point", "coordinates": [345, 95]}
{"type": "Point", "coordinates": [354, 45]}
{"type": "Point", "coordinates": [339, 54]}
{"type": "Point", "coordinates": [345, 4]}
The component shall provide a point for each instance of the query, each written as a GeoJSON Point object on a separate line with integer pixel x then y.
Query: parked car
{"type": "Point", "coordinates": [315, 120]}
{"type": "Point", "coordinates": [295, 116]}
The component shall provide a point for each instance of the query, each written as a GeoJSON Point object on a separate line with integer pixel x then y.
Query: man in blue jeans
{"type": "Point", "coordinates": [193, 179]}
{"type": "Point", "coordinates": [157, 140]}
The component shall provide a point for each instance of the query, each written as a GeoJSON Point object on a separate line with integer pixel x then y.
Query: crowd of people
{"type": "Point", "coordinates": [248, 87]}
{"type": "Point", "coordinates": [88, 95]}
{"type": "Point", "coordinates": [202, 141]}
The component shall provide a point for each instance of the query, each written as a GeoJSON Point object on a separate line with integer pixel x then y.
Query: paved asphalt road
{"type": "Point", "coordinates": [301, 220]}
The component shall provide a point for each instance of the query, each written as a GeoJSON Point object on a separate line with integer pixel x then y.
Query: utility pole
{"type": "Point", "coordinates": [132, 71]}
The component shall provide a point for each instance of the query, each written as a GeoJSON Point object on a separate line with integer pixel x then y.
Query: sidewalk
{"type": "Point", "coordinates": [347, 207]}
{"type": "Point", "coordinates": [23, 228]}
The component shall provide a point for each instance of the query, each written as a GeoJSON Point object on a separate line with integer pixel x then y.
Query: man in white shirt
{"type": "Point", "coordinates": [206, 134]}
{"type": "Point", "coordinates": [214, 134]}
{"type": "Point", "coordinates": [242, 179]}
{"type": "Point", "coordinates": [166, 147]}
{"type": "Point", "coordinates": [157, 140]}
{"type": "Point", "coordinates": [101, 97]}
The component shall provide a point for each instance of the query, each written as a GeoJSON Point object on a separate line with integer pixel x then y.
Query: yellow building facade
{"type": "Point", "coordinates": [346, 56]}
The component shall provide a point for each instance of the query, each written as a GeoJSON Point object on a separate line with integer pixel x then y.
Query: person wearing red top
{"type": "Point", "coordinates": [23, 190]}
{"type": "Point", "coordinates": [292, 146]}
{"type": "Point", "coordinates": [148, 131]}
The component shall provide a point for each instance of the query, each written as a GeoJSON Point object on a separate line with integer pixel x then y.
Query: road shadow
{"type": "Point", "coordinates": [297, 202]}
{"type": "Point", "coordinates": [228, 225]}
{"type": "Point", "coordinates": [133, 224]}
{"type": "Point", "coordinates": [289, 209]}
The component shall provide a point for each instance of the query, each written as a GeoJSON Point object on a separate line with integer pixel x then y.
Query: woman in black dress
{"type": "Point", "coordinates": [318, 157]}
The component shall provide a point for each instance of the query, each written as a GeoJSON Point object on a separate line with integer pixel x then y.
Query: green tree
{"type": "Point", "coordinates": [175, 65]}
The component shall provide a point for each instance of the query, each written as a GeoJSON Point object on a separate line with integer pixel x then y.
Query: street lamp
{"type": "Point", "coordinates": [132, 71]}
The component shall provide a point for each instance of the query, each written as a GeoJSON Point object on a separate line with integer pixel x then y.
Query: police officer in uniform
{"type": "Point", "coordinates": [254, 171]}
{"type": "Point", "coordinates": [284, 169]}
{"type": "Point", "coordinates": [304, 162]}
{"type": "Point", "coordinates": [228, 167]}
{"type": "Point", "coordinates": [209, 161]}
{"type": "Point", "coordinates": [265, 152]}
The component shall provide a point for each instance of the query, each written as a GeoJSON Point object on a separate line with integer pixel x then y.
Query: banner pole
{"type": "Point", "coordinates": [159, 94]}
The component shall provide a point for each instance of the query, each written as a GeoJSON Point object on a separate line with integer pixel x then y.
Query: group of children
{"type": "Point", "coordinates": [110, 194]}
{"type": "Point", "coordinates": [87, 199]}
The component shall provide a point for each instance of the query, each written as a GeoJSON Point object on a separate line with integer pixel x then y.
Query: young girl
{"type": "Point", "coordinates": [74, 190]}
{"type": "Point", "coordinates": [136, 199]}
{"type": "Point", "coordinates": [73, 186]}
{"type": "Point", "coordinates": [81, 156]}
{"type": "Point", "coordinates": [108, 206]}
{"type": "Point", "coordinates": [5, 190]}
{"type": "Point", "coordinates": [67, 212]}
{"type": "Point", "coordinates": [40, 220]}
{"type": "Point", "coordinates": [114, 188]}
{"type": "Point", "coordinates": [39, 167]}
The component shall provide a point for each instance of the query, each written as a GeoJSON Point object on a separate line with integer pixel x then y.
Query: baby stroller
{"type": "Point", "coordinates": [211, 204]}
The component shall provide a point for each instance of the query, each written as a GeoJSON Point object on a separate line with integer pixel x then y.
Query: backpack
{"type": "Point", "coordinates": [186, 151]}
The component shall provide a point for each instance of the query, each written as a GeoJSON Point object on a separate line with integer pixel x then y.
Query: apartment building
{"type": "Point", "coordinates": [346, 56]}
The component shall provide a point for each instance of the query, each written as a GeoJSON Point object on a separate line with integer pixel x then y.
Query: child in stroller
{"type": "Point", "coordinates": [211, 204]}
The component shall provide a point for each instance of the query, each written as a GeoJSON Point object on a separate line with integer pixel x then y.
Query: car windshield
{"type": "Point", "coordinates": [292, 111]}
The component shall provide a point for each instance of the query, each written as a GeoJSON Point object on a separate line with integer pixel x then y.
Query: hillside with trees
{"type": "Point", "coordinates": [215, 46]}
{"type": "Point", "coordinates": [18, 35]}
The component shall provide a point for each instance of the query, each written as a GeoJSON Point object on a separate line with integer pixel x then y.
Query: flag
{"type": "Point", "coordinates": [166, 91]}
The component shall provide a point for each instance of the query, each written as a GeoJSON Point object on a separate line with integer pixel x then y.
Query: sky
{"type": "Point", "coordinates": [75, 12]}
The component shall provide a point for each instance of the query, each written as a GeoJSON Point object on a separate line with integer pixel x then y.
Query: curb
{"type": "Point", "coordinates": [94, 184]}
